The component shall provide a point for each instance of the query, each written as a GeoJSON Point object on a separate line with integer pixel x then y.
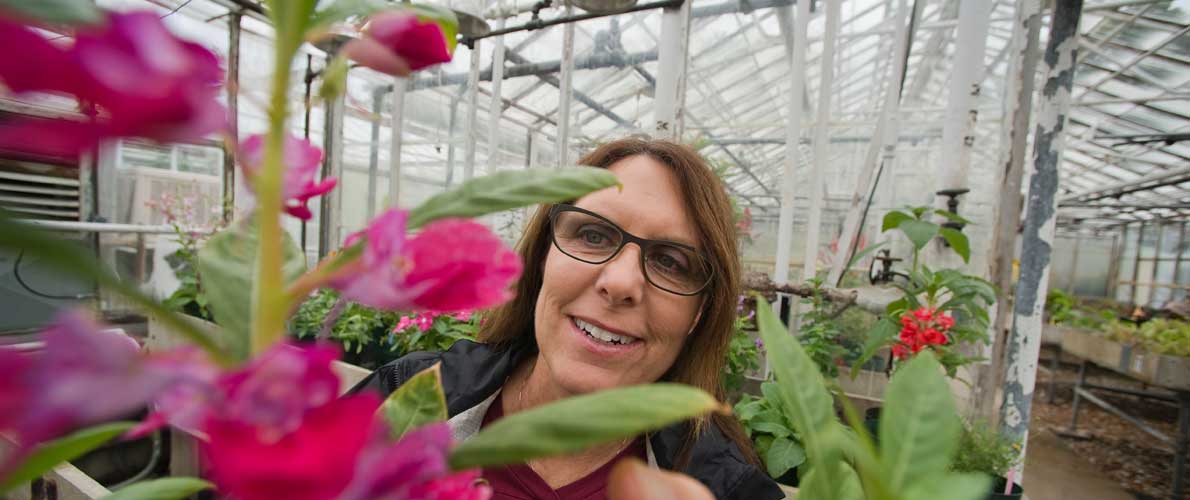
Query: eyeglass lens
{"type": "Point", "coordinates": [594, 240]}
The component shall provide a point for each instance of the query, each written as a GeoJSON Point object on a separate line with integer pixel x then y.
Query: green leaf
{"type": "Point", "coordinates": [54, 11]}
{"type": "Point", "coordinates": [227, 264]}
{"type": "Point", "coordinates": [802, 393]}
{"type": "Point", "coordinates": [512, 189]}
{"type": "Point", "coordinates": [957, 241]}
{"type": "Point", "coordinates": [783, 454]}
{"type": "Point", "coordinates": [578, 423]}
{"type": "Point", "coordinates": [48, 455]}
{"type": "Point", "coordinates": [168, 488]}
{"type": "Point", "coordinates": [69, 258]}
{"type": "Point", "coordinates": [881, 334]}
{"type": "Point", "coordinates": [893, 219]}
{"type": "Point", "coordinates": [951, 486]}
{"type": "Point", "coordinates": [418, 402]}
{"type": "Point", "coordinates": [919, 425]}
{"type": "Point", "coordinates": [919, 232]}
{"type": "Point", "coordinates": [953, 217]}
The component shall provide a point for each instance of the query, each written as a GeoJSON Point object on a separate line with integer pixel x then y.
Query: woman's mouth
{"type": "Point", "coordinates": [601, 339]}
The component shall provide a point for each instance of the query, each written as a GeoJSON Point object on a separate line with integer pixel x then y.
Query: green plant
{"type": "Point", "coordinates": [919, 428]}
{"type": "Point", "coordinates": [1161, 336]}
{"type": "Point", "coordinates": [743, 353]}
{"type": "Point", "coordinates": [1059, 306]}
{"type": "Point", "coordinates": [191, 231]}
{"type": "Point", "coordinates": [775, 440]}
{"type": "Point", "coordinates": [960, 297]}
{"type": "Point", "coordinates": [983, 450]}
{"type": "Point", "coordinates": [820, 332]}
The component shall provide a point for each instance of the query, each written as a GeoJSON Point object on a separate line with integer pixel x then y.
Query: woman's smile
{"type": "Point", "coordinates": [604, 341]}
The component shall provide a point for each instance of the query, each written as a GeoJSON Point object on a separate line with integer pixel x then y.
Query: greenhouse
{"type": "Point", "coordinates": [624, 249]}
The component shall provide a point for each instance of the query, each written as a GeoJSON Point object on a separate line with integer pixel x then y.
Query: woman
{"type": "Point", "coordinates": [621, 287]}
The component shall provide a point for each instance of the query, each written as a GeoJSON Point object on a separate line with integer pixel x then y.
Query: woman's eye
{"type": "Point", "coordinates": [670, 263]}
{"type": "Point", "coordinates": [594, 237]}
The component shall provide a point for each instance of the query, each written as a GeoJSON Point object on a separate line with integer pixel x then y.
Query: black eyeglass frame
{"type": "Point", "coordinates": [626, 238]}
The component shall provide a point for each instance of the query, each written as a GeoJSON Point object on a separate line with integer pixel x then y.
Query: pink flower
{"type": "Point", "coordinates": [302, 161]}
{"type": "Point", "coordinates": [84, 375]}
{"type": "Point", "coordinates": [141, 79]}
{"type": "Point", "coordinates": [400, 42]}
{"type": "Point", "coordinates": [313, 462]}
{"type": "Point", "coordinates": [413, 468]}
{"type": "Point", "coordinates": [450, 265]}
{"type": "Point", "coordinates": [459, 264]}
{"type": "Point", "coordinates": [924, 314]}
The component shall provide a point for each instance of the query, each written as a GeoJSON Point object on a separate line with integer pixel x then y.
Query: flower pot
{"type": "Point", "coordinates": [872, 423]}
{"type": "Point", "coordinates": [997, 492]}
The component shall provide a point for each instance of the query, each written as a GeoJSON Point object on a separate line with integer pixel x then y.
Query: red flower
{"type": "Point", "coordinates": [934, 337]}
{"type": "Point", "coordinates": [302, 161]}
{"type": "Point", "coordinates": [314, 462]}
{"type": "Point", "coordinates": [945, 321]}
{"type": "Point", "coordinates": [141, 79]}
{"type": "Point", "coordinates": [924, 314]}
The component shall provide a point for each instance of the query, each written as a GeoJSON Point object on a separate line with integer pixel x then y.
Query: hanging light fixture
{"type": "Point", "coordinates": [604, 6]}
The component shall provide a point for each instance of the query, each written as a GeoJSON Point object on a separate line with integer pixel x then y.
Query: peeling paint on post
{"type": "Point", "coordinates": [1024, 343]}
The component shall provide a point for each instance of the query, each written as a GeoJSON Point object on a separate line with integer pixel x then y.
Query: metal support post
{"type": "Point", "coordinates": [672, 57]}
{"type": "Point", "coordinates": [885, 135]}
{"type": "Point", "coordinates": [1183, 445]}
{"type": "Point", "coordinates": [374, 151]}
{"type": "Point", "coordinates": [1015, 142]}
{"type": "Point", "coordinates": [472, 125]}
{"type": "Point", "coordinates": [1077, 403]}
{"type": "Point", "coordinates": [397, 107]}
{"type": "Point", "coordinates": [1140, 239]}
{"type": "Point", "coordinates": [564, 89]}
{"type": "Point", "coordinates": [958, 130]}
{"type": "Point", "coordinates": [1177, 263]}
{"type": "Point", "coordinates": [821, 141]}
{"type": "Point", "coordinates": [1024, 343]}
{"type": "Point", "coordinates": [329, 222]}
{"type": "Point", "coordinates": [494, 110]}
{"type": "Point", "coordinates": [233, 114]}
{"type": "Point", "coordinates": [793, 132]}
{"type": "Point", "coordinates": [1078, 242]}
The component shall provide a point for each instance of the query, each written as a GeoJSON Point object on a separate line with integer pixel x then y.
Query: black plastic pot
{"type": "Point", "coordinates": [872, 423]}
{"type": "Point", "coordinates": [997, 492]}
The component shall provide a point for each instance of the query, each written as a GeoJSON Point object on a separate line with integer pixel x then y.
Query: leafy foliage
{"type": "Point", "coordinates": [820, 333]}
{"type": "Point", "coordinates": [983, 450]}
{"type": "Point", "coordinates": [775, 440]}
{"type": "Point", "coordinates": [920, 421]}
{"type": "Point", "coordinates": [1162, 336]}
{"type": "Point", "coordinates": [743, 353]}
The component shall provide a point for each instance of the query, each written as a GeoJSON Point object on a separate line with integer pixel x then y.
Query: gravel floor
{"type": "Point", "coordinates": [1139, 462]}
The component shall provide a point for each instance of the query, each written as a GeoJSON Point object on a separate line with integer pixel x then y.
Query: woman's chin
{"type": "Point", "coordinates": [584, 378]}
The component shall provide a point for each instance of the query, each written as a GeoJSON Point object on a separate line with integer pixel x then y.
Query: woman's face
{"type": "Point", "coordinates": [577, 298]}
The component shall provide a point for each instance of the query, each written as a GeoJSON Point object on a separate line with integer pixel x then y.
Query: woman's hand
{"type": "Point", "coordinates": [632, 479]}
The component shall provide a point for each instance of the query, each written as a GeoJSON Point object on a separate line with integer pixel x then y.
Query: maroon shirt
{"type": "Point", "coordinates": [519, 482]}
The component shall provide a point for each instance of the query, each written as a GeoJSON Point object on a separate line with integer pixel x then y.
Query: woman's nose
{"type": "Point", "coordinates": [622, 281]}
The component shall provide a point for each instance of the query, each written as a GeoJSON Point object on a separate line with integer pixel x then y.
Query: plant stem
{"type": "Point", "coordinates": [268, 304]}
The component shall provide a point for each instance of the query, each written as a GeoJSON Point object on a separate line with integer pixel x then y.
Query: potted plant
{"type": "Point", "coordinates": [983, 450]}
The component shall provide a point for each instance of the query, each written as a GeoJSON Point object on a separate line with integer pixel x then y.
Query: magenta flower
{"type": "Point", "coordinates": [141, 79]}
{"type": "Point", "coordinates": [413, 468]}
{"type": "Point", "coordinates": [315, 461]}
{"type": "Point", "coordinates": [302, 161]}
{"type": "Point", "coordinates": [400, 42]}
{"type": "Point", "coordinates": [47, 393]}
{"type": "Point", "coordinates": [450, 265]}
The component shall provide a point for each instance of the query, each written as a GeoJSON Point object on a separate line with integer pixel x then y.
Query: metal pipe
{"type": "Point", "coordinates": [396, 142]}
{"type": "Point", "coordinates": [1128, 418]}
{"type": "Point", "coordinates": [958, 131]}
{"type": "Point", "coordinates": [564, 89]}
{"type": "Point", "coordinates": [471, 130]}
{"type": "Point", "coordinates": [99, 227]}
{"type": "Point", "coordinates": [797, 61]}
{"type": "Point", "coordinates": [496, 108]}
{"type": "Point", "coordinates": [672, 61]}
{"type": "Point", "coordinates": [1037, 238]}
{"type": "Point", "coordinates": [567, 19]}
{"type": "Point", "coordinates": [374, 151]}
{"type": "Point", "coordinates": [233, 115]}
{"type": "Point", "coordinates": [1140, 239]}
{"type": "Point", "coordinates": [821, 142]}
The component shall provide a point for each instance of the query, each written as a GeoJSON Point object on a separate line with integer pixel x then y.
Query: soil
{"type": "Point", "coordinates": [1141, 463]}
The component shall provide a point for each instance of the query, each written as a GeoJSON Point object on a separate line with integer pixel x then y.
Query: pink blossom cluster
{"type": "Point", "coordinates": [424, 320]}
{"type": "Point", "coordinates": [922, 327]}
{"type": "Point", "coordinates": [273, 428]}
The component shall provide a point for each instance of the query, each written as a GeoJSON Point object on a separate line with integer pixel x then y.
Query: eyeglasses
{"type": "Point", "coordinates": [589, 237]}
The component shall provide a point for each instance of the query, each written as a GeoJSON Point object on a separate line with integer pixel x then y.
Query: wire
{"type": "Point", "coordinates": [170, 13]}
{"type": "Point", "coordinates": [16, 272]}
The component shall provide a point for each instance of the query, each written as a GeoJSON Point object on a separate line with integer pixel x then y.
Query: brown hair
{"type": "Point", "coordinates": [701, 360]}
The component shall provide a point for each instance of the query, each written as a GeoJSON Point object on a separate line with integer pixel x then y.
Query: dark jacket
{"type": "Point", "coordinates": [471, 372]}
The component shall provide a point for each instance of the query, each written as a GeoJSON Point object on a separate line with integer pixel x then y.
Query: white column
{"type": "Point", "coordinates": [564, 89]}
{"type": "Point", "coordinates": [472, 125]}
{"type": "Point", "coordinates": [821, 141]}
{"type": "Point", "coordinates": [494, 111]}
{"type": "Point", "coordinates": [394, 156]}
{"type": "Point", "coordinates": [958, 130]}
{"type": "Point", "coordinates": [672, 56]}
{"type": "Point", "coordinates": [793, 132]}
